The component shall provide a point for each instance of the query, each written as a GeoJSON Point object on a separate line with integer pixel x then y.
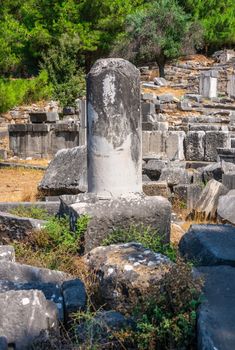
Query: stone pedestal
{"type": "Point", "coordinates": [208, 84]}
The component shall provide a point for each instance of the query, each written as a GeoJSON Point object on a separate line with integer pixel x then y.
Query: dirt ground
{"type": "Point", "coordinates": [19, 184]}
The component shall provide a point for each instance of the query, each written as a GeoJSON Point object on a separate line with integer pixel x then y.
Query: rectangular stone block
{"type": "Point", "coordinates": [175, 145]}
{"type": "Point", "coordinates": [147, 109]}
{"type": "Point", "coordinates": [231, 86]}
{"type": "Point", "coordinates": [153, 143]}
{"type": "Point", "coordinates": [213, 140]}
{"type": "Point", "coordinates": [194, 145]}
{"type": "Point", "coordinates": [228, 181]}
{"type": "Point", "coordinates": [208, 84]}
{"type": "Point", "coordinates": [44, 117]}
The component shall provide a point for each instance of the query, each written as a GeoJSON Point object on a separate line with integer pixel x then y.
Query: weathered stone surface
{"type": "Point", "coordinates": [15, 227]}
{"type": "Point", "coordinates": [3, 343]}
{"type": "Point", "coordinates": [228, 180]}
{"type": "Point", "coordinates": [108, 215]}
{"type": "Point", "coordinates": [154, 168]}
{"type": "Point", "coordinates": [208, 200]}
{"type": "Point", "coordinates": [66, 173]}
{"type": "Point", "coordinates": [156, 188]}
{"type": "Point", "coordinates": [24, 314]}
{"type": "Point", "coordinates": [227, 167]}
{"type": "Point", "coordinates": [208, 84]}
{"type": "Point", "coordinates": [226, 154]}
{"type": "Point", "coordinates": [44, 117]}
{"type": "Point", "coordinates": [52, 292]}
{"type": "Point", "coordinates": [194, 145]}
{"type": "Point", "coordinates": [114, 128]}
{"type": "Point", "coordinates": [209, 245]}
{"type": "Point", "coordinates": [25, 273]}
{"type": "Point", "coordinates": [216, 326]}
{"type": "Point", "coordinates": [175, 145]}
{"type": "Point", "coordinates": [74, 295]}
{"type": "Point", "coordinates": [226, 207]}
{"type": "Point", "coordinates": [126, 272]}
{"type": "Point", "coordinates": [160, 81]}
{"type": "Point", "coordinates": [174, 176]}
{"type": "Point", "coordinates": [188, 194]}
{"type": "Point", "coordinates": [213, 140]}
{"type": "Point", "coordinates": [7, 253]}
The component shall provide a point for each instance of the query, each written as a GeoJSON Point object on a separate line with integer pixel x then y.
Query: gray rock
{"type": "Point", "coordinates": [25, 273]}
{"type": "Point", "coordinates": [175, 176]}
{"type": "Point", "coordinates": [126, 272]}
{"type": "Point", "coordinates": [209, 245]}
{"type": "Point", "coordinates": [154, 168]}
{"type": "Point", "coordinates": [226, 154]}
{"type": "Point", "coordinates": [15, 227]}
{"type": "Point", "coordinates": [226, 207]}
{"type": "Point", "coordinates": [68, 110]}
{"type": "Point", "coordinates": [67, 173]}
{"type": "Point", "coordinates": [212, 171]}
{"type": "Point", "coordinates": [156, 188]}
{"type": "Point", "coordinates": [160, 81]}
{"type": "Point", "coordinates": [164, 98]}
{"type": "Point", "coordinates": [51, 291]}
{"type": "Point", "coordinates": [108, 215]}
{"type": "Point", "coordinates": [7, 253]}
{"type": "Point", "coordinates": [188, 194]}
{"type": "Point", "coordinates": [24, 314]}
{"type": "Point", "coordinates": [207, 203]}
{"type": "Point", "coordinates": [74, 295]}
{"type": "Point", "coordinates": [227, 167]}
{"type": "Point", "coordinates": [216, 326]}
{"type": "Point", "coordinates": [3, 343]}
{"type": "Point", "coordinates": [44, 117]}
{"type": "Point", "coordinates": [228, 180]}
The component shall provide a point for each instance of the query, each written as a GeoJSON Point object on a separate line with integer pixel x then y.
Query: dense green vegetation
{"type": "Point", "coordinates": [65, 37]}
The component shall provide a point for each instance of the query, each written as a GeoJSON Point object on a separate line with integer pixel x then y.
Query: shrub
{"type": "Point", "coordinates": [30, 212]}
{"type": "Point", "coordinates": [147, 236]}
{"type": "Point", "coordinates": [14, 92]}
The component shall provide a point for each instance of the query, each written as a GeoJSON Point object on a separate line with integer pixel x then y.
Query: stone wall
{"type": "Point", "coordinates": [42, 140]}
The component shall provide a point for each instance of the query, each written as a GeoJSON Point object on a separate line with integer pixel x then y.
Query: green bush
{"type": "Point", "coordinates": [14, 92]}
{"type": "Point", "coordinates": [147, 236]}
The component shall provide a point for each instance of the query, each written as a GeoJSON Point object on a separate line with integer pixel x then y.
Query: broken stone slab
{"type": "Point", "coordinates": [74, 296]}
{"type": "Point", "coordinates": [52, 292]}
{"type": "Point", "coordinates": [126, 270]}
{"type": "Point", "coordinates": [7, 253]}
{"type": "Point", "coordinates": [195, 145]}
{"type": "Point", "coordinates": [213, 141]}
{"type": "Point", "coordinates": [107, 215]}
{"type": "Point", "coordinates": [226, 207]}
{"type": "Point", "coordinates": [207, 203]}
{"type": "Point", "coordinates": [66, 173]}
{"type": "Point", "coordinates": [15, 227]}
{"type": "Point", "coordinates": [21, 273]}
{"type": "Point", "coordinates": [24, 314]}
{"type": "Point", "coordinates": [209, 245]}
{"type": "Point", "coordinates": [156, 188]}
{"type": "Point", "coordinates": [228, 180]}
{"type": "Point", "coordinates": [44, 117]}
{"type": "Point", "coordinates": [174, 176]}
{"type": "Point", "coordinates": [216, 315]}
{"type": "Point", "coordinates": [153, 168]}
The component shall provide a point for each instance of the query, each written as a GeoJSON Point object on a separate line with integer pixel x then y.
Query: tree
{"type": "Point", "coordinates": [158, 32]}
{"type": "Point", "coordinates": [217, 17]}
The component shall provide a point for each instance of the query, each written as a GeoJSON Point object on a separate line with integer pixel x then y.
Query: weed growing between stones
{"type": "Point", "coordinates": [30, 212]}
{"type": "Point", "coordinates": [55, 246]}
{"type": "Point", "coordinates": [147, 236]}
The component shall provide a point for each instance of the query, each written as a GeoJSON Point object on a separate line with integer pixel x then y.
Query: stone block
{"type": "Point", "coordinates": [153, 143]}
{"type": "Point", "coordinates": [147, 109]}
{"type": "Point", "coordinates": [212, 171]}
{"type": "Point", "coordinates": [7, 253]}
{"type": "Point", "coordinates": [195, 145]}
{"type": "Point", "coordinates": [66, 173]}
{"type": "Point", "coordinates": [188, 194]}
{"type": "Point", "coordinates": [214, 140]}
{"type": "Point", "coordinates": [156, 188]}
{"type": "Point", "coordinates": [74, 296]}
{"type": "Point", "coordinates": [175, 145]}
{"type": "Point", "coordinates": [44, 117]}
{"type": "Point", "coordinates": [24, 314]}
{"type": "Point", "coordinates": [208, 84]}
{"type": "Point", "coordinates": [154, 168]}
{"type": "Point", "coordinates": [209, 245]}
{"type": "Point", "coordinates": [110, 214]}
{"type": "Point", "coordinates": [231, 86]}
{"type": "Point", "coordinates": [226, 154]}
{"type": "Point", "coordinates": [208, 201]}
{"type": "Point", "coordinates": [160, 81]}
{"type": "Point", "coordinates": [174, 176]}
{"type": "Point", "coordinates": [3, 154]}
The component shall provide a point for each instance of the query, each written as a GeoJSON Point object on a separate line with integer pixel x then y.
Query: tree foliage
{"type": "Point", "coordinates": [158, 32]}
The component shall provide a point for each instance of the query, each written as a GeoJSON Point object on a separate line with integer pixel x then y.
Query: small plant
{"type": "Point", "coordinates": [30, 212]}
{"type": "Point", "coordinates": [147, 236]}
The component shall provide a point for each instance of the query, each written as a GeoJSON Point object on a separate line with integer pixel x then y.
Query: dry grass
{"type": "Point", "coordinates": [165, 90]}
{"type": "Point", "coordinates": [18, 184]}
{"type": "Point", "coordinates": [40, 162]}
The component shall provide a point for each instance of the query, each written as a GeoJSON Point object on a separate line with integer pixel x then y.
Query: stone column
{"type": "Point", "coordinates": [208, 84]}
{"type": "Point", "coordinates": [114, 128]}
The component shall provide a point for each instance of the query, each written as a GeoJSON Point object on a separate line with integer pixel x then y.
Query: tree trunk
{"type": "Point", "coordinates": [161, 65]}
